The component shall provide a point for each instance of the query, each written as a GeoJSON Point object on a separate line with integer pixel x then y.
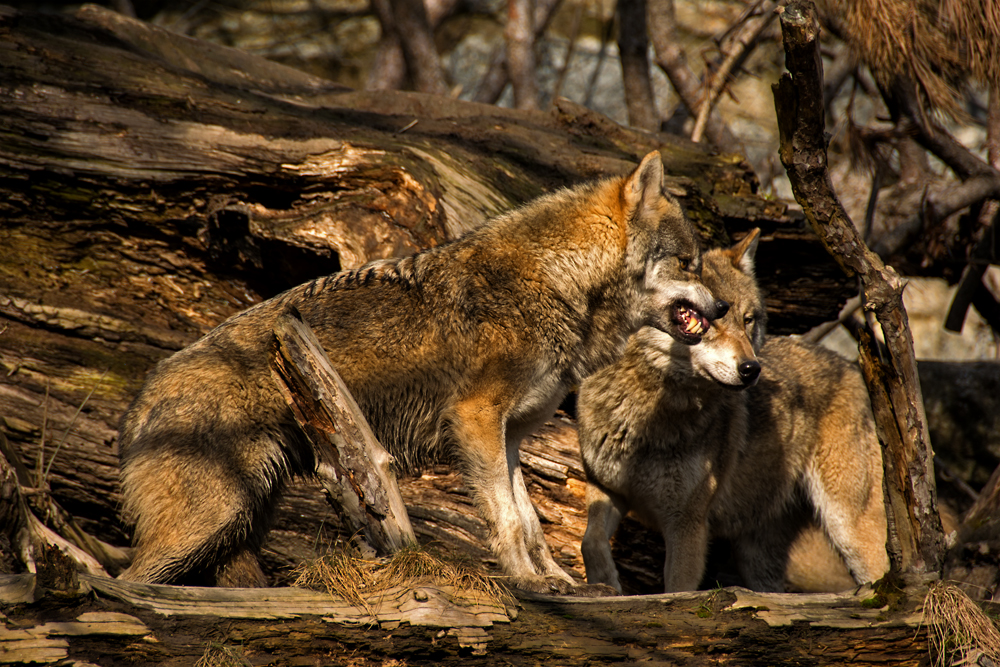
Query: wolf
{"type": "Point", "coordinates": [459, 351]}
{"type": "Point", "coordinates": [740, 436]}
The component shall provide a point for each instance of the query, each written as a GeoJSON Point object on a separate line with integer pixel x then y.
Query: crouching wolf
{"type": "Point", "coordinates": [460, 350]}
{"type": "Point", "coordinates": [665, 432]}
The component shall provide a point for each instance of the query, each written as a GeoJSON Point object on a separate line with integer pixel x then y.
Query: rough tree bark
{"type": "Point", "coordinates": [915, 537]}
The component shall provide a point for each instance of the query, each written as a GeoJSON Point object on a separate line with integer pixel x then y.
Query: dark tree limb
{"type": "Point", "coordinates": [388, 71]}
{"type": "Point", "coordinates": [904, 97]}
{"type": "Point", "coordinates": [916, 540]}
{"type": "Point", "coordinates": [416, 38]}
{"type": "Point", "coordinates": [493, 83]}
{"type": "Point", "coordinates": [633, 48]}
{"type": "Point", "coordinates": [354, 468]}
{"type": "Point", "coordinates": [519, 36]}
{"type": "Point", "coordinates": [970, 287]}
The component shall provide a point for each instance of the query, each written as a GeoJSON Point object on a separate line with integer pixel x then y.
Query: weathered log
{"type": "Point", "coordinates": [916, 542]}
{"type": "Point", "coordinates": [430, 625]}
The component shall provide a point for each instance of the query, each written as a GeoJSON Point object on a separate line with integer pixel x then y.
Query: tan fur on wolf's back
{"type": "Point", "coordinates": [458, 351]}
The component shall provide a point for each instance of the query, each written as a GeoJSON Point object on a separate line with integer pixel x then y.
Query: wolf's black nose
{"type": "Point", "coordinates": [721, 308]}
{"type": "Point", "coordinates": [749, 370]}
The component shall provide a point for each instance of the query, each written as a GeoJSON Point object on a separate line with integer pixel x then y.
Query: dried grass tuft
{"type": "Point", "coordinates": [343, 573]}
{"type": "Point", "coordinates": [220, 655]}
{"type": "Point", "coordinates": [958, 630]}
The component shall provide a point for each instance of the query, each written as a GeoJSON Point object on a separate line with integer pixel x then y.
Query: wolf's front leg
{"type": "Point", "coordinates": [534, 536]}
{"type": "Point", "coordinates": [604, 513]}
{"type": "Point", "coordinates": [686, 540]}
{"type": "Point", "coordinates": [478, 428]}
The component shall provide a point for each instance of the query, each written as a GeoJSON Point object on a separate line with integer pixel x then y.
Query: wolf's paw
{"type": "Point", "coordinates": [594, 591]}
{"type": "Point", "coordinates": [545, 585]}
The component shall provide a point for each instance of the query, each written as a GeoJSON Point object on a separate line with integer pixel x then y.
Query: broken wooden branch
{"type": "Point", "coordinates": [915, 536]}
{"type": "Point", "coordinates": [354, 468]}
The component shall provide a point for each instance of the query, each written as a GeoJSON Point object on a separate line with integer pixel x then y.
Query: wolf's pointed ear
{"type": "Point", "coordinates": [644, 185]}
{"type": "Point", "coordinates": [743, 252]}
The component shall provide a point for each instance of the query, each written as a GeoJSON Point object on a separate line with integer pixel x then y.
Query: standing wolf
{"type": "Point", "coordinates": [460, 350]}
{"type": "Point", "coordinates": [665, 432]}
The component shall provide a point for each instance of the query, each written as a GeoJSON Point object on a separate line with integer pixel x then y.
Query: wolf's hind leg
{"type": "Point", "coordinates": [190, 519]}
{"type": "Point", "coordinates": [859, 534]}
{"type": "Point", "coordinates": [604, 513]}
{"type": "Point", "coordinates": [241, 570]}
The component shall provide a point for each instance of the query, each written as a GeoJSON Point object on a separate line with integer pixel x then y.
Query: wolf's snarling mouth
{"type": "Point", "coordinates": [691, 323]}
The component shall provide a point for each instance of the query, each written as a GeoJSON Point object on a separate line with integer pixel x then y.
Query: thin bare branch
{"type": "Point", "coordinates": [736, 51]}
{"type": "Point", "coordinates": [670, 57]}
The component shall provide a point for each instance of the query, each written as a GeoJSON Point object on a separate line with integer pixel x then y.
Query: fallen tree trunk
{"type": "Point", "coordinates": [438, 625]}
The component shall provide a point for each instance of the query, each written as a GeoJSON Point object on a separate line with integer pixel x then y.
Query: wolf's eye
{"type": "Point", "coordinates": [685, 263]}
{"type": "Point", "coordinates": [748, 320]}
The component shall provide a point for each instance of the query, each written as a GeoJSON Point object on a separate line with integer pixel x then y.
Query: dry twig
{"type": "Point", "coordinates": [735, 52]}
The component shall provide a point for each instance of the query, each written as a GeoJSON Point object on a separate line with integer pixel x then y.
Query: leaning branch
{"type": "Point", "coordinates": [353, 467]}
{"type": "Point", "coordinates": [673, 61]}
{"type": "Point", "coordinates": [915, 537]}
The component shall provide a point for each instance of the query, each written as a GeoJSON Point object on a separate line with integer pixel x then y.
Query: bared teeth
{"type": "Point", "coordinates": [691, 321]}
